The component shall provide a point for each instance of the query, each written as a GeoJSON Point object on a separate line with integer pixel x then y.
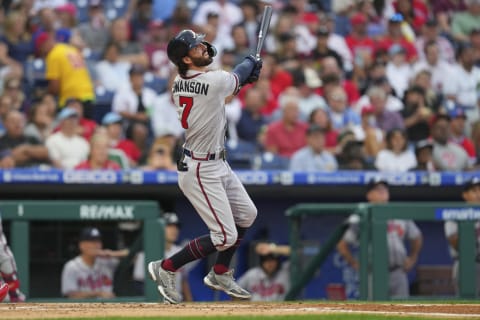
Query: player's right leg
{"type": "Point", "coordinates": [165, 281]}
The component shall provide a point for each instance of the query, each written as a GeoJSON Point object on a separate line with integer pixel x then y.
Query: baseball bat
{"type": "Point", "coordinates": [262, 33]}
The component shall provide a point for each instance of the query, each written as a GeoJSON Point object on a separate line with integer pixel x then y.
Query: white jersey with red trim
{"type": "Point", "coordinates": [200, 99]}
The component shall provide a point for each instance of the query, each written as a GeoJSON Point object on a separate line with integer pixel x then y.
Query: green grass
{"type": "Point", "coordinates": [289, 317]}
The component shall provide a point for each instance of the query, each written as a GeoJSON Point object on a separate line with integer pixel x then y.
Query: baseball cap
{"type": "Point", "coordinates": [374, 182]}
{"type": "Point", "coordinates": [368, 110]}
{"type": "Point", "coordinates": [395, 18]}
{"type": "Point", "coordinates": [312, 80]}
{"type": "Point", "coordinates": [171, 218]}
{"type": "Point", "coordinates": [66, 113]}
{"type": "Point", "coordinates": [68, 8]}
{"type": "Point", "coordinates": [111, 117]}
{"type": "Point", "coordinates": [137, 69]}
{"type": "Point", "coordinates": [358, 18]}
{"type": "Point", "coordinates": [457, 112]}
{"type": "Point", "coordinates": [396, 49]}
{"type": "Point", "coordinates": [475, 181]}
{"type": "Point", "coordinates": [90, 234]}
{"type": "Point", "coordinates": [40, 39]}
{"type": "Point", "coordinates": [439, 116]}
{"type": "Point", "coordinates": [422, 144]}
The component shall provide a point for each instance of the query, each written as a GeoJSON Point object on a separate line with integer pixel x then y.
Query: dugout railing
{"type": "Point", "coordinates": [373, 255]}
{"type": "Point", "coordinates": [22, 212]}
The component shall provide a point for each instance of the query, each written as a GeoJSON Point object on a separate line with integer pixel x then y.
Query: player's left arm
{"type": "Point", "coordinates": [248, 70]}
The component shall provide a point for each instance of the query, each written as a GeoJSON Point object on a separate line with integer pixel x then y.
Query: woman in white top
{"type": "Point", "coordinates": [396, 157]}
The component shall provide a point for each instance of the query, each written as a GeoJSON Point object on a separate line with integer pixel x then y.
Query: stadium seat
{"type": "Point", "coordinates": [103, 103]}
{"type": "Point", "coordinates": [240, 154]}
{"type": "Point", "coordinates": [270, 161]}
{"type": "Point", "coordinates": [159, 85]}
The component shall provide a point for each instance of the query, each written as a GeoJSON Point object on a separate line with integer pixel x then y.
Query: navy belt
{"type": "Point", "coordinates": [206, 157]}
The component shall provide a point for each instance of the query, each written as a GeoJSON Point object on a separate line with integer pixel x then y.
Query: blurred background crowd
{"type": "Point", "coordinates": [391, 85]}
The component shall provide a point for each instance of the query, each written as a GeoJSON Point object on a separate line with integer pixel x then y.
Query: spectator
{"type": "Point", "coordinates": [40, 125]}
{"type": "Point", "coordinates": [313, 157]}
{"type": "Point", "coordinates": [134, 101]}
{"type": "Point", "coordinates": [398, 70]}
{"type": "Point", "coordinates": [440, 70]}
{"type": "Point", "coordinates": [415, 12]}
{"type": "Point", "coordinates": [433, 99]}
{"type": "Point", "coordinates": [66, 148]}
{"type": "Point", "coordinates": [471, 195]}
{"type": "Point", "coordinates": [113, 123]}
{"type": "Point", "coordinates": [250, 11]}
{"type": "Point", "coordinates": [172, 231]}
{"type": "Point", "coordinates": [240, 46]}
{"type": "Point", "coordinates": [416, 114]}
{"type": "Point", "coordinates": [17, 39]}
{"type": "Point", "coordinates": [17, 149]}
{"type": "Point", "coordinates": [341, 115]}
{"type": "Point", "coordinates": [322, 49]}
{"type": "Point", "coordinates": [140, 20]}
{"type": "Point", "coordinates": [447, 156]}
{"type": "Point", "coordinates": [251, 120]}
{"type": "Point", "coordinates": [270, 281]}
{"type": "Point", "coordinates": [66, 72]}
{"type": "Point", "coordinates": [12, 88]}
{"type": "Point", "coordinates": [386, 120]}
{"type": "Point", "coordinates": [457, 131]}
{"type": "Point", "coordinates": [160, 158]}
{"type": "Point", "coordinates": [229, 14]}
{"type": "Point", "coordinates": [319, 117]}
{"type": "Point", "coordinates": [98, 157]}
{"type": "Point", "coordinates": [112, 73]}
{"type": "Point", "coordinates": [330, 67]}
{"type": "Point", "coordinates": [94, 32]}
{"type": "Point", "coordinates": [285, 136]}
{"type": "Point", "coordinates": [86, 127]}
{"type": "Point", "coordinates": [395, 36]}
{"type": "Point", "coordinates": [396, 157]}
{"type": "Point", "coordinates": [139, 135]}
{"type": "Point", "coordinates": [430, 33]}
{"type": "Point", "coordinates": [336, 42]}
{"type": "Point", "coordinates": [368, 133]}
{"type": "Point", "coordinates": [360, 44]}
{"type": "Point", "coordinates": [423, 153]}
{"type": "Point", "coordinates": [464, 22]}
{"type": "Point", "coordinates": [130, 51]}
{"type": "Point", "coordinates": [5, 106]}
{"type": "Point", "coordinates": [443, 11]}
{"type": "Point", "coordinates": [462, 87]}
{"type": "Point", "coordinates": [400, 262]}
{"type": "Point", "coordinates": [156, 49]}
{"type": "Point", "coordinates": [90, 274]}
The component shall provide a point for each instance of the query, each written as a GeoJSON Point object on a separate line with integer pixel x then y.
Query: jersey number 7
{"type": "Point", "coordinates": [186, 103]}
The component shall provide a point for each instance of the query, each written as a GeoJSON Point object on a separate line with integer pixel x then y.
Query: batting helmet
{"type": "Point", "coordinates": [179, 46]}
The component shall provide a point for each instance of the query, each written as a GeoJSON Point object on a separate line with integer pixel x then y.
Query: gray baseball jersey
{"type": "Point", "coordinates": [79, 277]}
{"type": "Point", "coordinates": [397, 232]}
{"type": "Point", "coordinates": [208, 182]}
{"type": "Point", "coordinates": [7, 261]}
{"type": "Point", "coordinates": [265, 288]}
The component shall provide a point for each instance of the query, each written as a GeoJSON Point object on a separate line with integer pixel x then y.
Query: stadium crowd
{"type": "Point", "coordinates": [392, 85]}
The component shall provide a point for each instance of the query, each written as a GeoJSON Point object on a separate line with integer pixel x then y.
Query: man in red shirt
{"type": "Point", "coordinates": [395, 36]}
{"type": "Point", "coordinates": [86, 127]}
{"type": "Point", "coordinates": [359, 43]}
{"type": "Point", "coordinates": [457, 132]}
{"type": "Point", "coordinates": [287, 135]}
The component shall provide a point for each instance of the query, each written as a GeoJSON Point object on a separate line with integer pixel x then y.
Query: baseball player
{"type": "Point", "coordinates": [471, 194]}
{"type": "Point", "coordinates": [399, 261]}
{"type": "Point", "coordinates": [10, 288]}
{"type": "Point", "coordinates": [90, 274]}
{"type": "Point", "coordinates": [270, 281]}
{"type": "Point", "coordinates": [204, 176]}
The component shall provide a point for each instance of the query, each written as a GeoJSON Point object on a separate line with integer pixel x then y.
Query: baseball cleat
{"type": "Point", "coordinates": [226, 283]}
{"type": "Point", "coordinates": [165, 280]}
{"type": "Point", "coordinates": [3, 291]}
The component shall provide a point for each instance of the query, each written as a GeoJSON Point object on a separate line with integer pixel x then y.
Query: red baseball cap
{"type": "Point", "coordinates": [358, 18]}
{"type": "Point", "coordinates": [68, 8]}
{"type": "Point", "coordinates": [40, 40]}
{"type": "Point", "coordinates": [368, 110]}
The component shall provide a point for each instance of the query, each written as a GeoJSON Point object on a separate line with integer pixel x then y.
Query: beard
{"type": "Point", "coordinates": [202, 61]}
